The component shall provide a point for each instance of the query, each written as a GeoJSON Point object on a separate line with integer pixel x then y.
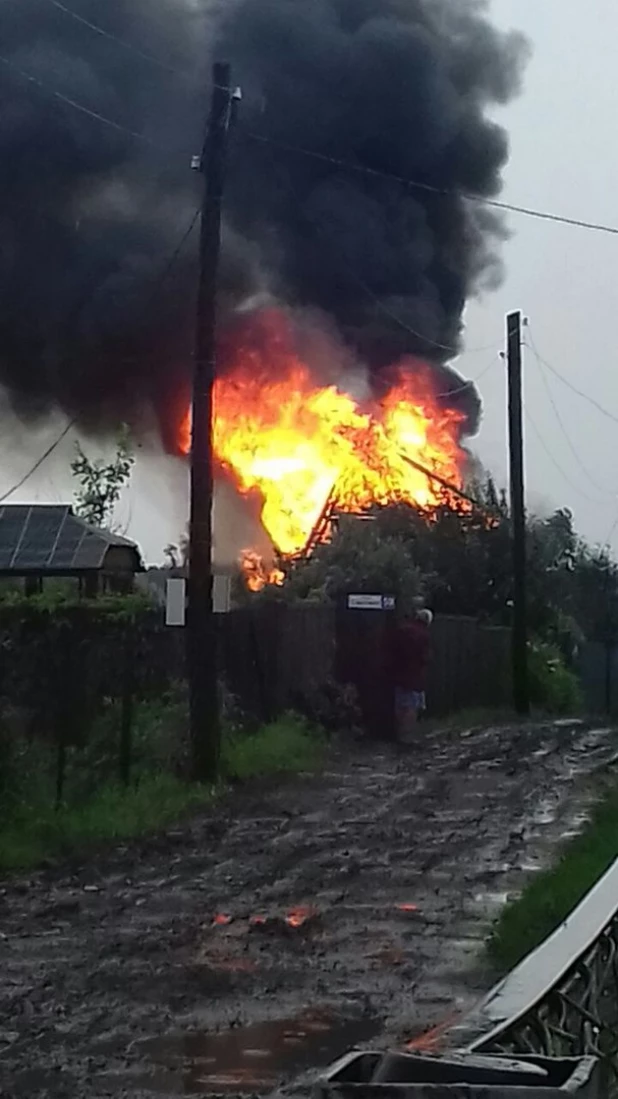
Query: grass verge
{"type": "Point", "coordinates": [549, 898]}
{"type": "Point", "coordinates": [35, 831]}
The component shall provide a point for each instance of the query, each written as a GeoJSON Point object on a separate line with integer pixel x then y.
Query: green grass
{"type": "Point", "coordinates": [551, 895]}
{"type": "Point", "coordinates": [286, 746]}
{"type": "Point", "coordinates": [34, 831]}
{"type": "Point", "coordinates": [37, 832]}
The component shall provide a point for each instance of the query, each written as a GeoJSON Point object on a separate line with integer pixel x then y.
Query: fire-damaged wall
{"type": "Point", "coordinates": [363, 125]}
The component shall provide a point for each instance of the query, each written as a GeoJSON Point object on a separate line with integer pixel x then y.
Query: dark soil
{"type": "Point", "coordinates": [270, 935]}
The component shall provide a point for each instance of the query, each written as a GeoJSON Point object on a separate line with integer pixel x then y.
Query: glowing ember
{"type": "Point", "coordinates": [431, 1040]}
{"type": "Point", "coordinates": [407, 907]}
{"type": "Point", "coordinates": [221, 920]}
{"type": "Point", "coordinates": [299, 444]}
{"type": "Point", "coordinates": [296, 917]}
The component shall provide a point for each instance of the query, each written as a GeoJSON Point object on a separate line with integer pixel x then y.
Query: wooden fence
{"type": "Point", "coordinates": [274, 656]}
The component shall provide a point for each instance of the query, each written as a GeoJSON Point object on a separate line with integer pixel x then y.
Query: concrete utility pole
{"type": "Point", "coordinates": [201, 635]}
{"type": "Point", "coordinates": [521, 697]}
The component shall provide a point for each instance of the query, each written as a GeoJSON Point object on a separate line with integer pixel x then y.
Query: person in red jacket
{"type": "Point", "coordinates": [411, 656]}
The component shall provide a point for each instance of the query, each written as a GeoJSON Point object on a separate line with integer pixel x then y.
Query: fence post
{"type": "Point", "coordinates": [609, 652]}
{"type": "Point", "coordinates": [127, 707]}
{"type": "Point", "coordinates": [61, 766]}
{"type": "Point", "coordinates": [62, 705]}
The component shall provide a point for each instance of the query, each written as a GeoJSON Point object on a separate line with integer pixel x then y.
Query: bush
{"type": "Point", "coordinates": [553, 687]}
{"type": "Point", "coordinates": [333, 707]}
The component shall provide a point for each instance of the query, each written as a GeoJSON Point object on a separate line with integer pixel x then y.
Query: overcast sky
{"type": "Point", "coordinates": [564, 159]}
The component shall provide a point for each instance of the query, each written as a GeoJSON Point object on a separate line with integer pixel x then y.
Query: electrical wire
{"type": "Point", "coordinates": [353, 274]}
{"type": "Point", "coordinates": [67, 101]}
{"type": "Point", "coordinates": [471, 381]}
{"type": "Point", "coordinates": [574, 389]}
{"type": "Point", "coordinates": [561, 424]}
{"type": "Point", "coordinates": [607, 542]}
{"type": "Point", "coordinates": [39, 462]}
{"type": "Point", "coordinates": [114, 38]}
{"type": "Point", "coordinates": [156, 288]}
{"type": "Point", "coordinates": [556, 463]}
{"type": "Point", "coordinates": [481, 200]}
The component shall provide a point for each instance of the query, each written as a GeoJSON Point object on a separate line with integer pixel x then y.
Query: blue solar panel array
{"type": "Point", "coordinates": [49, 538]}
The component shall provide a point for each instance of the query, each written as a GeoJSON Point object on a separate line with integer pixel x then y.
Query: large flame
{"type": "Point", "coordinates": [301, 445]}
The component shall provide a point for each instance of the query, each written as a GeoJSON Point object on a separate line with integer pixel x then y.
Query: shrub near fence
{"type": "Point", "coordinates": [64, 668]}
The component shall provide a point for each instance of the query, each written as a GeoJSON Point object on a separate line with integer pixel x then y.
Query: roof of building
{"type": "Point", "coordinates": [50, 538]}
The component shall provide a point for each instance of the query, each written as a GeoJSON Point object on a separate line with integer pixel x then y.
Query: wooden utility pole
{"type": "Point", "coordinates": [201, 635]}
{"type": "Point", "coordinates": [521, 697]}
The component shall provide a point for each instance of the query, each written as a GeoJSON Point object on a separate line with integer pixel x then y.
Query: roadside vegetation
{"type": "Point", "coordinates": [553, 894]}
{"type": "Point", "coordinates": [97, 808]}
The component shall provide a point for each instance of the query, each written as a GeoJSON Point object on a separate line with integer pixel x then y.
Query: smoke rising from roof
{"type": "Point", "coordinates": [89, 214]}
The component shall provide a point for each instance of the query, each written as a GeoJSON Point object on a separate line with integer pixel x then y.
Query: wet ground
{"type": "Point", "coordinates": [294, 921]}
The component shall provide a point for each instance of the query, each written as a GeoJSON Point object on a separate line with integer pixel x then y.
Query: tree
{"type": "Point", "coordinates": [102, 482]}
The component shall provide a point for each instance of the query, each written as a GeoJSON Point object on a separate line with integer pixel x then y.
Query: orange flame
{"type": "Point", "coordinates": [256, 572]}
{"type": "Point", "coordinates": [300, 444]}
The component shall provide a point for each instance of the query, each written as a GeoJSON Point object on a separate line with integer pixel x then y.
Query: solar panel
{"type": "Point", "coordinates": [49, 538]}
{"type": "Point", "coordinates": [71, 534]}
{"type": "Point", "coordinates": [38, 538]}
{"type": "Point", "coordinates": [12, 521]}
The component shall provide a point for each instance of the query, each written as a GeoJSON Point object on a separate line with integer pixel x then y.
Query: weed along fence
{"type": "Point", "coordinates": [70, 679]}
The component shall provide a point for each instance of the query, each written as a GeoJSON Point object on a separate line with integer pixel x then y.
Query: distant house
{"type": "Point", "coordinates": [47, 541]}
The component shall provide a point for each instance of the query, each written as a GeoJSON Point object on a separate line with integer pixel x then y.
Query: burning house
{"type": "Point", "coordinates": [350, 247]}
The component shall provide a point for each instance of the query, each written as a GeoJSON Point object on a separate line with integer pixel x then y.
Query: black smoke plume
{"type": "Point", "coordinates": [372, 89]}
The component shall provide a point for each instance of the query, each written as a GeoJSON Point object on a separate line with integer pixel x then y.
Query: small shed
{"type": "Point", "coordinates": [41, 541]}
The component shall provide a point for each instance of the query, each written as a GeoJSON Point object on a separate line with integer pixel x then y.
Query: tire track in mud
{"type": "Point", "coordinates": [290, 922]}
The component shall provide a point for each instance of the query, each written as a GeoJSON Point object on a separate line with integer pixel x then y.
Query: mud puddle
{"type": "Point", "coordinates": [252, 1058]}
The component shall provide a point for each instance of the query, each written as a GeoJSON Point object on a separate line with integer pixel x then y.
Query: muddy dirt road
{"type": "Point", "coordinates": [286, 926]}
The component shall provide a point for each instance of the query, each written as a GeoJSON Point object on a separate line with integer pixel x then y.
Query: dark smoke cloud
{"type": "Point", "coordinates": [88, 214]}
{"type": "Point", "coordinates": [399, 87]}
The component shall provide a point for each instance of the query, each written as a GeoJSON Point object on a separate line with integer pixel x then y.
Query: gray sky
{"type": "Point", "coordinates": [564, 158]}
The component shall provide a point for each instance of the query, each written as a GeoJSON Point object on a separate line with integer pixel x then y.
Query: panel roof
{"type": "Point", "coordinates": [50, 538]}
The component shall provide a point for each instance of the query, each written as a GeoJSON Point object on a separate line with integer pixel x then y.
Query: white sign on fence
{"type": "Point", "coordinates": [176, 598]}
{"type": "Point", "coordinates": [175, 602]}
{"type": "Point", "coordinates": [371, 602]}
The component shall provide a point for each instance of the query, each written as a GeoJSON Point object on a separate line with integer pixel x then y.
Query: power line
{"type": "Point", "coordinates": [67, 101]}
{"type": "Point", "coordinates": [471, 381]}
{"type": "Point", "coordinates": [555, 462]}
{"type": "Point", "coordinates": [571, 445]}
{"type": "Point", "coordinates": [482, 200]}
{"type": "Point", "coordinates": [316, 227]}
{"type": "Point", "coordinates": [39, 462]}
{"type": "Point", "coordinates": [114, 38]}
{"type": "Point", "coordinates": [157, 286]}
{"type": "Point", "coordinates": [607, 542]}
{"type": "Point", "coordinates": [574, 389]}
